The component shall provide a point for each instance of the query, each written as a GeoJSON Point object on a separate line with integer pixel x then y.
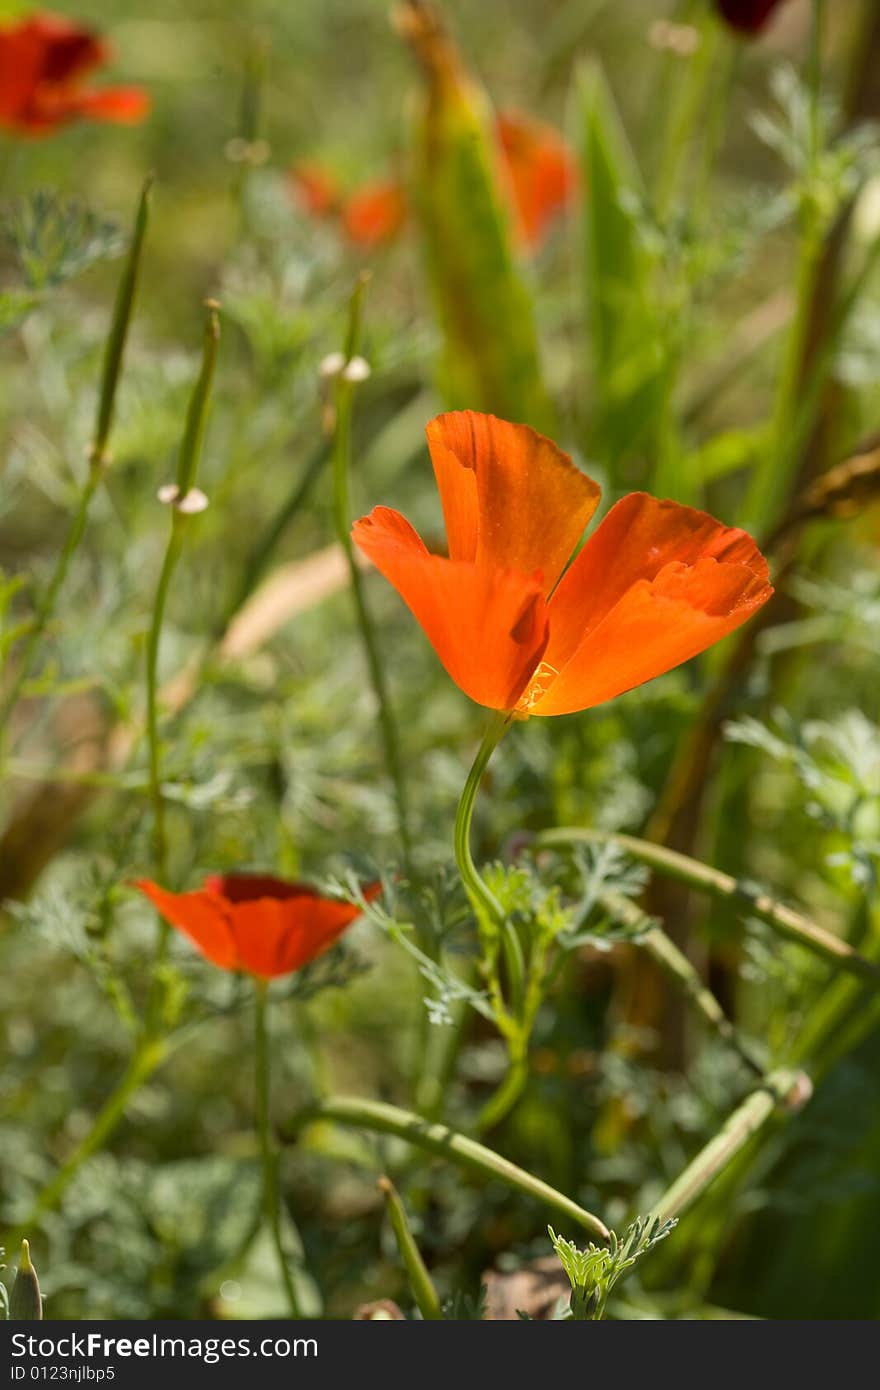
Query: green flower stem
{"type": "Point", "coordinates": [268, 1153]}
{"type": "Point", "coordinates": [190, 450]}
{"type": "Point", "coordinates": [677, 968]}
{"type": "Point", "coordinates": [115, 349]}
{"type": "Point", "coordinates": [704, 879]}
{"type": "Point", "coordinates": [98, 458]}
{"type": "Point", "coordinates": [496, 930]}
{"type": "Point", "coordinates": [490, 915]}
{"type": "Point", "coordinates": [149, 1055]}
{"type": "Point", "coordinates": [423, 1291]}
{"type": "Point", "coordinates": [169, 564]}
{"type": "Point", "coordinates": [380, 1118]}
{"type": "Point", "coordinates": [502, 1101]}
{"type": "Point", "coordinates": [745, 1122]}
{"type": "Point", "coordinates": [342, 520]}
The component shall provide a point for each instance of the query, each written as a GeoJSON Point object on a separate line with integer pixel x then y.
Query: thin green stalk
{"type": "Point", "coordinates": [495, 930]}
{"type": "Point", "coordinates": [485, 904]}
{"type": "Point", "coordinates": [676, 967]}
{"type": "Point", "coordinates": [731, 1139]}
{"type": "Point", "coordinates": [115, 349]}
{"type": "Point", "coordinates": [114, 352]}
{"type": "Point", "coordinates": [446, 1143]}
{"type": "Point", "coordinates": [269, 1157]}
{"type": "Point", "coordinates": [342, 518]}
{"type": "Point", "coordinates": [423, 1291]}
{"type": "Point", "coordinates": [187, 464]}
{"type": "Point", "coordinates": [502, 1101]}
{"type": "Point", "coordinates": [169, 564]}
{"type": "Point", "coordinates": [704, 879]}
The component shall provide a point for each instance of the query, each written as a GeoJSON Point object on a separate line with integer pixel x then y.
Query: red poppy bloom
{"type": "Point", "coordinates": [749, 16]}
{"type": "Point", "coordinates": [655, 584]}
{"type": "Point", "coordinates": [375, 214]}
{"type": "Point", "coordinates": [541, 170]}
{"type": "Point", "coordinates": [256, 923]}
{"type": "Point", "coordinates": [43, 61]}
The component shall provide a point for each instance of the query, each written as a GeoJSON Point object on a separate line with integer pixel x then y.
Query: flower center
{"type": "Point", "coordinates": [543, 677]}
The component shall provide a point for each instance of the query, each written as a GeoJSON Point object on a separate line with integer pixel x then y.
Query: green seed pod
{"type": "Point", "coordinates": [26, 1301]}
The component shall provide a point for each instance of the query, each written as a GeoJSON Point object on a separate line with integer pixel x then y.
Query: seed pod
{"type": "Point", "coordinates": [486, 312]}
{"type": "Point", "coordinates": [26, 1301]}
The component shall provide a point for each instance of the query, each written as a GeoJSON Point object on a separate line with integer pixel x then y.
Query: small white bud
{"type": "Point", "coordinates": [168, 493]}
{"type": "Point", "coordinates": [358, 369]}
{"type": "Point", "coordinates": [194, 502]}
{"type": "Point", "coordinates": [332, 364]}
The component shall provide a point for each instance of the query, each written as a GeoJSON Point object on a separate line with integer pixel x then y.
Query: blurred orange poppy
{"type": "Point", "coordinates": [536, 164]}
{"type": "Point", "coordinates": [541, 170]}
{"type": "Point", "coordinates": [656, 583]}
{"type": "Point", "coordinates": [375, 214]}
{"type": "Point", "coordinates": [43, 60]}
{"type": "Point", "coordinates": [256, 923]}
{"type": "Point", "coordinates": [749, 16]}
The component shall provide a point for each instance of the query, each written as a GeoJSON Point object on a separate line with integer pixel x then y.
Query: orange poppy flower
{"type": "Point", "coordinates": [654, 585]}
{"type": "Point", "coordinates": [536, 165]}
{"type": "Point", "coordinates": [256, 923]}
{"type": "Point", "coordinates": [43, 60]}
{"type": "Point", "coordinates": [375, 214]}
{"type": "Point", "coordinates": [541, 171]}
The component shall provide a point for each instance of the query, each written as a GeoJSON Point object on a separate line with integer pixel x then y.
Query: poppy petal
{"type": "Point", "coordinates": [121, 105]}
{"type": "Point", "coordinates": [636, 540]}
{"type": "Point", "coordinates": [374, 215]}
{"type": "Point", "coordinates": [656, 625]}
{"type": "Point", "coordinates": [68, 49]}
{"type": "Point", "coordinates": [488, 625]}
{"type": "Point", "coordinates": [511, 499]}
{"type": "Point", "coordinates": [241, 888]}
{"type": "Point", "coordinates": [202, 916]}
{"type": "Point", "coordinates": [275, 937]}
{"type": "Point", "coordinates": [541, 170]}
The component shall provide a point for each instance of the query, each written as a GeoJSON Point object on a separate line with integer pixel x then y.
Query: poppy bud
{"type": "Point", "coordinates": [26, 1301]}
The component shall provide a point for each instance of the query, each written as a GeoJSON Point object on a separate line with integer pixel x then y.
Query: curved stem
{"type": "Point", "coordinates": [447, 1143]}
{"type": "Point", "coordinates": [485, 904]}
{"type": "Point", "coordinates": [705, 879]}
{"type": "Point", "coordinates": [779, 1090]}
{"type": "Point", "coordinates": [271, 1196]}
{"type": "Point", "coordinates": [502, 1101]}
